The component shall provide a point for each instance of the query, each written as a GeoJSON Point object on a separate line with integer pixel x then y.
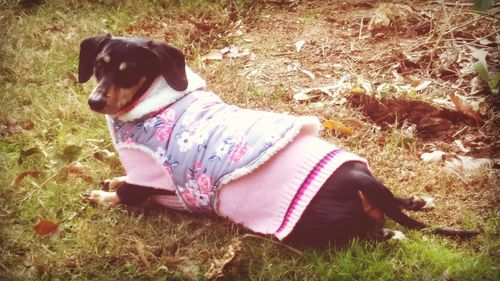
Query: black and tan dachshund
{"type": "Point", "coordinates": [350, 203]}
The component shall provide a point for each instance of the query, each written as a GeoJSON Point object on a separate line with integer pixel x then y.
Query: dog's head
{"type": "Point", "coordinates": [125, 68]}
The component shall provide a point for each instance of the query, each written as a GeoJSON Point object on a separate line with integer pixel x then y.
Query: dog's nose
{"type": "Point", "coordinates": [97, 104]}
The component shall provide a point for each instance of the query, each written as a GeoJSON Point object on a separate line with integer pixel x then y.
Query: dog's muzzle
{"type": "Point", "coordinates": [97, 100]}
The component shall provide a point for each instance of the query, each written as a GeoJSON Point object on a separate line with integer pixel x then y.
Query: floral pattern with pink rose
{"type": "Point", "coordinates": [238, 151]}
{"type": "Point", "coordinates": [163, 133]}
{"type": "Point", "coordinates": [204, 183]}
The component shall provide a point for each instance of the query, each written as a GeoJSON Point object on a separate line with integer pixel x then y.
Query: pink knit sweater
{"type": "Point", "coordinates": [270, 199]}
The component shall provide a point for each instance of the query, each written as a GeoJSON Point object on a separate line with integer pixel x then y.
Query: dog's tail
{"type": "Point", "coordinates": [382, 198]}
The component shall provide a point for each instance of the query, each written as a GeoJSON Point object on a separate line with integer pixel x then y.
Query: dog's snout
{"type": "Point", "coordinates": [97, 103]}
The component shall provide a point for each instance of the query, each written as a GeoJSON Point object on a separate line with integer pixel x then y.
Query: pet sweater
{"type": "Point", "coordinates": [258, 168]}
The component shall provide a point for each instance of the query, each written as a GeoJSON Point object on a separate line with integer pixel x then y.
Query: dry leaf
{"type": "Point", "coordinates": [467, 164]}
{"type": "Point", "coordinates": [216, 269]}
{"type": "Point", "coordinates": [433, 157]}
{"type": "Point", "coordinates": [19, 179]}
{"type": "Point", "coordinates": [355, 123]}
{"type": "Point", "coordinates": [480, 106]}
{"type": "Point", "coordinates": [235, 52]}
{"type": "Point", "coordinates": [379, 20]}
{"type": "Point", "coordinates": [358, 90]}
{"type": "Point", "coordinates": [464, 107]}
{"type": "Point", "coordinates": [422, 85]}
{"type": "Point", "coordinates": [46, 227]}
{"type": "Point", "coordinates": [213, 55]}
{"type": "Point", "coordinates": [308, 73]}
{"type": "Point", "coordinates": [480, 55]}
{"type": "Point", "coordinates": [461, 146]}
{"type": "Point", "coordinates": [79, 170]}
{"type": "Point", "coordinates": [337, 126]}
{"type": "Point", "coordinates": [299, 44]}
{"type": "Point", "coordinates": [443, 103]}
{"type": "Point", "coordinates": [366, 85]}
{"type": "Point", "coordinates": [310, 95]}
{"type": "Point", "coordinates": [334, 90]}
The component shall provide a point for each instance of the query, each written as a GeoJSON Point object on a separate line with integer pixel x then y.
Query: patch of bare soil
{"type": "Point", "coordinates": [388, 46]}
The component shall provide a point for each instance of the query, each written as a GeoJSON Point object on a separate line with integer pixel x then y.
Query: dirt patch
{"type": "Point", "coordinates": [431, 121]}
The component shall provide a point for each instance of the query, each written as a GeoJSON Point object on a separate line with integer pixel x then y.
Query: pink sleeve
{"type": "Point", "coordinates": [143, 169]}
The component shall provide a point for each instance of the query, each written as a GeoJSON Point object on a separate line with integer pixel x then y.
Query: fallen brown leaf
{"type": "Point", "coordinates": [355, 123]}
{"type": "Point", "coordinates": [213, 55]}
{"type": "Point", "coordinates": [464, 107]}
{"type": "Point", "coordinates": [46, 227]}
{"type": "Point", "coordinates": [338, 126]}
{"type": "Point", "coordinates": [16, 183]}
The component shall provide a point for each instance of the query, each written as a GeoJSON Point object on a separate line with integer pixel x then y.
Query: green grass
{"type": "Point", "coordinates": [44, 107]}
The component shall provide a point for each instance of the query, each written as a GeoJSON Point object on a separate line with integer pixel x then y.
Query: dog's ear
{"type": "Point", "coordinates": [89, 48]}
{"type": "Point", "coordinates": [172, 64]}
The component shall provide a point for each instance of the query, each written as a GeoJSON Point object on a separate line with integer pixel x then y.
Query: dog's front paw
{"type": "Point", "coordinates": [101, 197]}
{"type": "Point", "coordinates": [112, 183]}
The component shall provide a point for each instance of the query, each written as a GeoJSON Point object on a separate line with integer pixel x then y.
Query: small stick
{"type": "Point", "coordinates": [360, 28]}
{"type": "Point", "coordinates": [272, 241]}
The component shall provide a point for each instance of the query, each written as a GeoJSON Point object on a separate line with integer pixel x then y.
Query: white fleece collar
{"type": "Point", "coordinates": [160, 95]}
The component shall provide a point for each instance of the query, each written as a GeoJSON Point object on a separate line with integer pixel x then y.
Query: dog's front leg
{"type": "Point", "coordinates": [101, 197]}
{"type": "Point", "coordinates": [105, 197]}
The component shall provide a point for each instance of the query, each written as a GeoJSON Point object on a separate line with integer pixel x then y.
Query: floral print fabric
{"type": "Point", "coordinates": [200, 141]}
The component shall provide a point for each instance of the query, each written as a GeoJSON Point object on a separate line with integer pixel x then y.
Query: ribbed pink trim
{"type": "Point", "coordinates": [307, 183]}
{"type": "Point", "coordinates": [315, 180]}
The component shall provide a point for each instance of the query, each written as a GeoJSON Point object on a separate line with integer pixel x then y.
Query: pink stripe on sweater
{"type": "Point", "coordinates": [303, 188]}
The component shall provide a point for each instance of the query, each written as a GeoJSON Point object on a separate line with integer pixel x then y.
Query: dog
{"type": "Point", "coordinates": [184, 148]}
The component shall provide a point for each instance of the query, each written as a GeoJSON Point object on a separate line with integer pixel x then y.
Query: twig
{"type": "Point", "coordinates": [460, 131]}
{"type": "Point", "coordinates": [283, 54]}
{"type": "Point", "coordinates": [441, 34]}
{"type": "Point", "coordinates": [462, 25]}
{"type": "Point", "coordinates": [453, 4]}
{"type": "Point", "coordinates": [38, 187]}
{"type": "Point", "coordinates": [273, 241]}
{"type": "Point", "coordinates": [360, 28]}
